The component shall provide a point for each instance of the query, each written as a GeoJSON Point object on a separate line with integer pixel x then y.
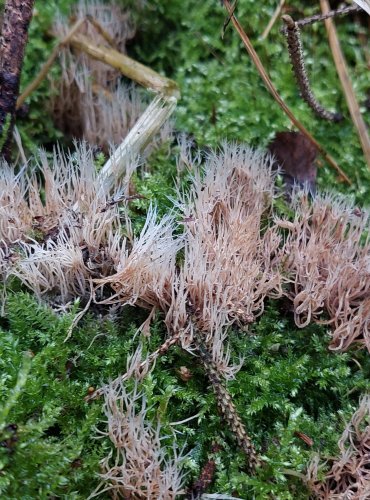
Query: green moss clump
{"type": "Point", "coordinates": [289, 383]}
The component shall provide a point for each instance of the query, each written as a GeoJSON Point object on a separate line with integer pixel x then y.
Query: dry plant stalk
{"type": "Point", "coordinates": [134, 70]}
{"type": "Point", "coordinates": [98, 66]}
{"type": "Point", "coordinates": [327, 252]}
{"type": "Point", "coordinates": [348, 476]}
{"type": "Point", "coordinates": [77, 109]}
{"type": "Point", "coordinates": [343, 74]}
{"type": "Point", "coordinates": [266, 79]}
{"type": "Point", "coordinates": [46, 67]}
{"type": "Point", "coordinates": [87, 97]}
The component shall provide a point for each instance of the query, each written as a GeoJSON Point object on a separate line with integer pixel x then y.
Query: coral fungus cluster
{"type": "Point", "coordinates": [86, 97]}
{"type": "Point", "coordinates": [207, 265]}
{"type": "Point", "coordinates": [348, 475]}
{"type": "Point", "coordinates": [327, 255]}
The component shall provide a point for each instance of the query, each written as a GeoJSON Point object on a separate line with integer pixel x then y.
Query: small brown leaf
{"type": "Point", "coordinates": [296, 156]}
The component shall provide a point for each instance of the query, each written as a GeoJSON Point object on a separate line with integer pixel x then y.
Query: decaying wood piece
{"type": "Point", "coordinates": [271, 88]}
{"type": "Point", "coordinates": [342, 70]}
{"type": "Point", "coordinates": [17, 17]}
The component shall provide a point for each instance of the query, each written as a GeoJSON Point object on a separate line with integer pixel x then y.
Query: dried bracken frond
{"type": "Point", "coordinates": [327, 253]}
{"type": "Point", "coordinates": [349, 474]}
{"type": "Point", "coordinates": [140, 467]}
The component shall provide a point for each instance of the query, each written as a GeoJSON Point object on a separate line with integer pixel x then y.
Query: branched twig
{"type": "Point", "coordinates": [293, 37]}
{"type": "Point", "coordinates": [342, 11]}
{"type": "Point", "coordinates": [266, 79]}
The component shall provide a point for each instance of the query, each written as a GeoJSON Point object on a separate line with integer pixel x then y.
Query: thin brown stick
{"type": "Point", "coordinates": [45, 69]}
{"type": "Point", "coordinates": [342, 70]}
{"type": "Point", "coordinates": [273, 19]}
{"type": "Point", "coordinates": [266, 79]}
{"type": "Point", "coordinates": [342, 11]}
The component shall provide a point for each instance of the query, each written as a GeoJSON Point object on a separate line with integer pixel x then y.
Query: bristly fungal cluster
{"type": "Point", "coordinates": [327, 255]}
{"type": "Point", "coordinates": [86, 97]}
{"type": "Point", "coordinates": [232, 253]}
{"type": "Point", "coordinates": [58, 227]}
{"type": "Point", "coordinates": [348, 476]}
{"type": "Point", "coordinates": [140, 466]}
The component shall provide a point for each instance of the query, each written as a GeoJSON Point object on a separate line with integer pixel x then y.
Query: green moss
{"type": "Point", "coordinates": [53, 450]}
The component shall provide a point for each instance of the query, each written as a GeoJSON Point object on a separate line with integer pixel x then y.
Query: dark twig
{"type": "Point", "coordinates": [228, 19]}
{"type": "Point", "coordinates": [227, 407]}
{"type": "Point", "coordinates": [114, 201]}
{"type": "Point", "coordinates": [293, 37]}
{"type": "Point", "coordinates": [342, 11]}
